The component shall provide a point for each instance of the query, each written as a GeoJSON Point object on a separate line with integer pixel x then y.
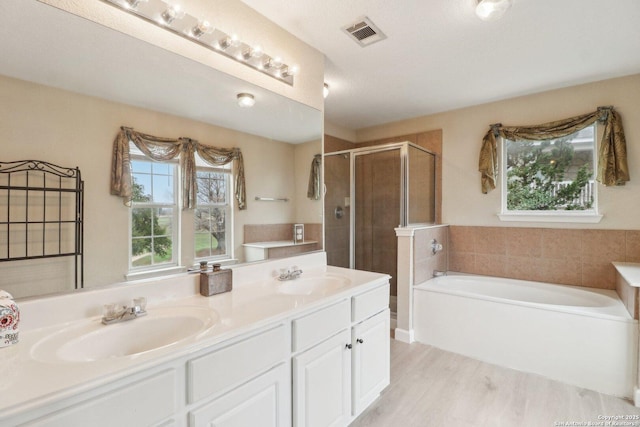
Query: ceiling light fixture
{"type": "Point", "coordinates": [246, 100]}
{"type": "Point", "coordinates": [490, 10]}
{"type": "Point", "coordinates": [168, 14]}
{"type": "Point", "coordinates": [325, 90]}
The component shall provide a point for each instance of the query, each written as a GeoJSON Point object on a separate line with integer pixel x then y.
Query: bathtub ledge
{"type": "Point", "coordinates": [630, 272]}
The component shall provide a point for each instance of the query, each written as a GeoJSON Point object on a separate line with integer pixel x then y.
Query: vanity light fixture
{"type": "Point", "coordinates": [490, 10]}
{"type": "Point", "coordinates": [169, 14]}
{"type": "Point", "coordinates": [325, 90]}
{"type": "Point", "coordinates": [246, 100]}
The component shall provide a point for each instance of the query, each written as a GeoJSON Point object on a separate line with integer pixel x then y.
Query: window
{"type": "Point", "coordinates": [554, 176]}
{"type": "Point", "coordinates": [212, 214]}
{"type": "Point", "coordinates": [153, 213]}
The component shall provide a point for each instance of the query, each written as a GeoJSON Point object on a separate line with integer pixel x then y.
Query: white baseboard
{"type": "Point", "coordinates": [636, 396]}
{"type": "Point", "coordinates": [404, 335]}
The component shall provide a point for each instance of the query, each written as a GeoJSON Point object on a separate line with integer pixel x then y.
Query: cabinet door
{"type": "Point", "coordinates": [263, 401]}
{"type": "Point", "coordinates": [371, 356]}
{"type": "Point", "coordinates": [322, 384]}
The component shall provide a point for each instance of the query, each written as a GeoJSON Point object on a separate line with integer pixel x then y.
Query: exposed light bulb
{"type": "Point", "coordinates": [257, 52]}
{"type": "Point", "coordinates": [132, 4]}
{"type": "Point", "coordinates": [277, 62]}
{"type": "Point", "coordinates": [246, 100]}
{"type": "Point", "coordinates": [286, 71]}
{"type": "Point", "coordinates": [325, 90]}
{"type": "Point", "coordinates": [203, 27]}
{"type": "Point", "coordinates": [235, 41]}
{"type": "Point", "coordinates": [489, 10]}
{"type": "Point", "coordinates": [224, 43]}
{"type": "Point", "coordinates": [172, 13]}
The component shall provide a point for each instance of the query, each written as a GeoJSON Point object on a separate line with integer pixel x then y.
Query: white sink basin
{"type": "Point", "coordinates": [319, 285]}
{"type": "Point", "coordinates": [90, 340]}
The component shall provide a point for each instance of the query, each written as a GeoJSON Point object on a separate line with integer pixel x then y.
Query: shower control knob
{"type": "Point", "coordinates": [360, 341]}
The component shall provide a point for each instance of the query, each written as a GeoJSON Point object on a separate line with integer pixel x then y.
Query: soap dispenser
{"type": "Point", "coordinates": [9, 320]}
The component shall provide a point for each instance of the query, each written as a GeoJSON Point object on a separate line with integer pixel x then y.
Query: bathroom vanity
{"type": "Point", "coordinates": [310, 351]}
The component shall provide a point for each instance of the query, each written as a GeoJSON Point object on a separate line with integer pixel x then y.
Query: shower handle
{"type": "Point", "coordinates": [338, 212]}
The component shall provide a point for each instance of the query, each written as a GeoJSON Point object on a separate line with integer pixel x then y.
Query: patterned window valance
{"type": "Point", "coordinates": [612, 153]}
{"type": "Point", "coordinates": [162, 149]}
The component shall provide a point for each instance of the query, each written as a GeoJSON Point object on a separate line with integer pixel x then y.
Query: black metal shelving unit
{"type": "Point", "coordinates": [33, 195]}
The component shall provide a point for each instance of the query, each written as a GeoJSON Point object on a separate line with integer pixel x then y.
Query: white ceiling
{"type": "Point", "coordinates": [45, 45]}
{"type": "Point", "coordinates": [439, 56]}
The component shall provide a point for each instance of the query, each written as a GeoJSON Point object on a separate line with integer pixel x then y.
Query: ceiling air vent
{"type": "Point", "coordinates": [364, 32]}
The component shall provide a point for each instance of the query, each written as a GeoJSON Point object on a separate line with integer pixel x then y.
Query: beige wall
{"type": "Point", "coordinates": [231, 16]}
{"type": "Point", "coordinates": [43, 123]}
{"type": "Point", "coordinates": [462, 201]}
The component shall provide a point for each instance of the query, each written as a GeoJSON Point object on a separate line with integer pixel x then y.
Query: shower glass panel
{"type": "Point", "coordinates": [421, 187]}
{"type": "Point", "coordinates": [337, 179]}
{"type": "Point", "coordinates": [377, 205]}
{"type": "Point", "coordinates": [369, 192]}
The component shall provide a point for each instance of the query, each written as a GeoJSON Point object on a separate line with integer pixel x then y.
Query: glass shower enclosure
{"type": "Point", "coordinates": [369, 192]}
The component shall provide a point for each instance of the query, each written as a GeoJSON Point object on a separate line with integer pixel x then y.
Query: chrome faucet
{"type": "Point", "coordinates": [289, 273]}
{"type": "Point", "coordinates": [113, 314]}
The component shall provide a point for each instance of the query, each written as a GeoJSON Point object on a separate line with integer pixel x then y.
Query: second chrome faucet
{"type": "Point", "coordinates": [113, 314]}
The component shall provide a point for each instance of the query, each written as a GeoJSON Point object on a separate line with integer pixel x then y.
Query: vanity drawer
{"type": "Point", "coordinates": [322, 324]}
{"type": "Point", "coordinates": [369, 303]}
{"type": "Point", "coordinates": [146, 402]}
{"type": "Point", "coordinates": [217, 371]}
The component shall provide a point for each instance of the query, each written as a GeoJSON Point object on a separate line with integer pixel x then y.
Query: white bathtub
{"type": "Point", "coordinates": [575, 335]}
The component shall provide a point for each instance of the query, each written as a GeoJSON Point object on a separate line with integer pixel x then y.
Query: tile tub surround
{"type": "Point", "coordinates": [579, 257]}
{"type": "Point", "coordinates": [252, 304]}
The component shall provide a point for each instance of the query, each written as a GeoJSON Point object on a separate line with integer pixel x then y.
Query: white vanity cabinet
{"type": "Point", "coordinates": [341, 359]}
{"type": "Point", "coordinates": [248, 380]}
{"type": "Point", "coordinates": [314, 362]}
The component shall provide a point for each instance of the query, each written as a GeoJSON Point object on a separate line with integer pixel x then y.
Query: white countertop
{"type": "Point", "coordinates": [254, 302]}
{"type": "Point", "coordinates": [629, 271]}
{"type": "Point", "coordinates": [277, 244]}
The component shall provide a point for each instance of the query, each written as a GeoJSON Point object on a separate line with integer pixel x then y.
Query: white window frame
{"type": "Point", "coordinates": [587, 216]}
{"type": "Point", "coordinates": [176, 221]}
{"type": "Point", "coordinates": [228, 212]}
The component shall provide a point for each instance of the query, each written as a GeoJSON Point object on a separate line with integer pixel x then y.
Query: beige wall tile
{"type": "Point", "coordinates": [462, 239]}
{"type": "Point", "coordinates": [603, 245]}
{"type": "Point", "coordinates": [490, 240]}
{"type": "Point", "coordinates": [560, 271]}
{"type": "Point", "coordinates": [462, 262]}
{"type": "Point", "coordinates": [560, 243]}
{"type": "Point", "coordinates": [632, 252]}
{"type": "Point", "coordinates": [491, 265]}
{"type": "Point", "coordinates": [524, 242]}
{"type": "Point", "coordinates": [599, 275]}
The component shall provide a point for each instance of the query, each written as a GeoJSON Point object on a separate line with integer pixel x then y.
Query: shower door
{"type": "Point", "coordinates": [378, 209]}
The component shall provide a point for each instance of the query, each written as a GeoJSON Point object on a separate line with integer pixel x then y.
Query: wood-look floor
{"type": "Point", "coordinates": [432, 387]}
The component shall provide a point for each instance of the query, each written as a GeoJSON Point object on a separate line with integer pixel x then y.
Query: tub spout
{"type": "Point", "coordinates": [439, 273]}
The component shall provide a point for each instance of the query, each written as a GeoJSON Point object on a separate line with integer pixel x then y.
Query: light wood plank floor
{"type": "Point", "coordinates": [432, 387]}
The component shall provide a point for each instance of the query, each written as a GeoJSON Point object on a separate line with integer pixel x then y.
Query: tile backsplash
{"type": "Point", "coordinates": [580, 257]}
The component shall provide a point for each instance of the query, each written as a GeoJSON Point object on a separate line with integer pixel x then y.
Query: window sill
{"type": "Point", "coordinates": [575, 217]}
{"type": "Point", "coordinates": [147, 274]}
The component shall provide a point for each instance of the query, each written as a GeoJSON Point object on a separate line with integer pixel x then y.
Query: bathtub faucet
{"type": "Point", "coordinates": [435, 246]}
{"type": "Point", "coordinates": [439, 273]}
{"type": "Point", "coordinates": [112, 314]}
